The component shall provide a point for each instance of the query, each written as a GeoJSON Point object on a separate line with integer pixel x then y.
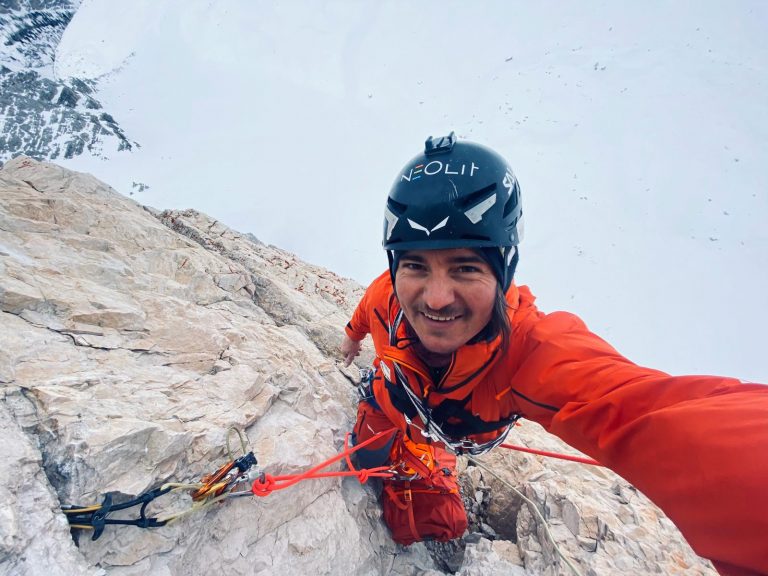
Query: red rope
{"type": "Point", "coordinates": [267, 484]}
{"type": "Point", "coordinates": [553, 455]}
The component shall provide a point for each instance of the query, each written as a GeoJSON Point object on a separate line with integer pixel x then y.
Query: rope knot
{"type": "Point", "coordinates": [264, 485]}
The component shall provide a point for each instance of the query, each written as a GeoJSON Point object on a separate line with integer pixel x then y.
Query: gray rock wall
{"type": "Point", "coordinates": [131, 340]}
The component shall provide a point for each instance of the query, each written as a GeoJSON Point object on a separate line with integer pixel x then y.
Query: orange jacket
{"type": "Point", "coordinates": [695, 445]}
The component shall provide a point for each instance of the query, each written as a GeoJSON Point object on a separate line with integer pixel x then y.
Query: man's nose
{"type": "Point", "coordinates": [438, 293]}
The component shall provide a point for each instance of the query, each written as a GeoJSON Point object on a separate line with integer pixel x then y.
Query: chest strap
{"type": "Point", "coordinates": [449, 422]}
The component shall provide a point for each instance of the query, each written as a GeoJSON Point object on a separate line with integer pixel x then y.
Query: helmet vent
{"type": "Point", "coordinates": [475, 237]}
{"type": "Point", "coordinates": [475, 197]}
{"type": "Point", "coordinates": [511, 202]}
{"type": "Point", "coordinates": [397, 208]}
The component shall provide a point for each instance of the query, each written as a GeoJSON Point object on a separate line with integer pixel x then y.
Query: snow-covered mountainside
{"type": "Point", "coordinates": [41, 115]}
{"type": "Point", "coordinates": [638, 133]}
{"type": "Point", "coordinates": [31, 30]}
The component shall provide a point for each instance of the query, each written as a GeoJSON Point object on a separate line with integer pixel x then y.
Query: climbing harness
{"type": "Point", "coordinates": [412, 460]}
{"type": "Point", "coordinates": [431, 429]}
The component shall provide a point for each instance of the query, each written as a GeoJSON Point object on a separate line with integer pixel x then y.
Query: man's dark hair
{"type": "Point", "coordinates": [499, 322]}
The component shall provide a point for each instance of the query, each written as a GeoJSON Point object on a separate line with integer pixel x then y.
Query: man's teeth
{"type": "Point", "coordinates": [439, 318]}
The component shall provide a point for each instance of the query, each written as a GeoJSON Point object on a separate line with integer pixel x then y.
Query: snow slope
{"type": "Point", "coordinates": [639, 134]}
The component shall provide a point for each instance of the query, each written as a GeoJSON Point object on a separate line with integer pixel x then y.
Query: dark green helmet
{"type": "Point", "coordinates": [456, 195]}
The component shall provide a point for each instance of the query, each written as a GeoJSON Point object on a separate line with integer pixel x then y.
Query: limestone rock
{"type": "Point", "coordinates": [483, 559]}
{"type": "Point", "coordinates": [292, 292]}
{"type": "Point", "coordinates": [34, 536]}
{"type": "Point", "coordinates": [132, 340]}
{"type": "Point", "coordinates": [600, 522]}
{"type": "Point", "coordinates": [129, 350]}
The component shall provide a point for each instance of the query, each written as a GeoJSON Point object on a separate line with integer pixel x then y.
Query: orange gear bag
{"type": "Point", "coordinates": [417, 510]}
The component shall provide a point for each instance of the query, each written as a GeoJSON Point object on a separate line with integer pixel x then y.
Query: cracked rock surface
{"type": "Point", "coordinates": [131, 340]}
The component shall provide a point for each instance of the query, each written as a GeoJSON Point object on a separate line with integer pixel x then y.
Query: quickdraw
{"type": "Point", "coordinates": [237, 478]}
{"type": "Point", "coordinates": [223, 483]}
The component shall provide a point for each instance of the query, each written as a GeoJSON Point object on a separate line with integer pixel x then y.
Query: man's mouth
{"type": "Point", "coordinates": [440, 317]}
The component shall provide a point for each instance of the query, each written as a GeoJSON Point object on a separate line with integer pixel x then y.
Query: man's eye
{"type": "Point", "coordinates": [412, 266]}
{"type": "Point", "coordinates": [469, 269]}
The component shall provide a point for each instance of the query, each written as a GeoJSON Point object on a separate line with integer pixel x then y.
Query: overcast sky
{"type": "Point", "coordinates": [638, 132]}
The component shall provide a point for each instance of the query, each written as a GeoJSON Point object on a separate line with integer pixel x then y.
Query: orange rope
{"type": "Point", "coordinates": [553, 455]}
{"type": "Point", "coordinates": [267, 484]}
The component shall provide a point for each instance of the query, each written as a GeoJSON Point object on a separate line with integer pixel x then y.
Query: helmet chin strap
{"type": "Point", "coordinates": [511, 254]}
{"type": "Point", "coordinates": [392, 267]}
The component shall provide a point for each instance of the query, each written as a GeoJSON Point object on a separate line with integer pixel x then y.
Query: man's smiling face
{"type": "Point", "coordinates": [446, 295]}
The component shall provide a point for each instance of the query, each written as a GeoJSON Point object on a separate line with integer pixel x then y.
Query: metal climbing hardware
{"type": "Point", "coordinates": [97, 517]}
{"type": "Point", "coordinates": [225, 478]}
{"type": "Point", "coordinates": [233, 479]}
{"type": "Point", "coordinates": [412, 460]}
{"type": "Point", "coordinates": [365, 388]}
{"type": "Point", "coordinates": [240, 477]}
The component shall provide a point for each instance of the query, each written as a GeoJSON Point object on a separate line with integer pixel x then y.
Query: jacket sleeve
{"type": "Point", "coordinates": [359, 325]}
{"type": "Point", "coordinates": [695, 445]}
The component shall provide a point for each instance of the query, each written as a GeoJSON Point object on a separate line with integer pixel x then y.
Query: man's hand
{"type": "Point", "coordinates": [349, 349]}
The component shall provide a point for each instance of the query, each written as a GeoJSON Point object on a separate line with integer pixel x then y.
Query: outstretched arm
{"type": "Point", "coordinates": [695, 445]}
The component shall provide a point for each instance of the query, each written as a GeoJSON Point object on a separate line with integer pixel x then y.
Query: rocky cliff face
{"type": "Point", "coordinates": [41, 115]}
{"type": "Point", "coordinates": [131, 340]}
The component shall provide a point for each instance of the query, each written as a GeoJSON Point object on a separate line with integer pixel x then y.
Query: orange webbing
{"type": "Point", "coordinates": [426, 491]}
{"type": "Point", "coordinates": [405, 504]}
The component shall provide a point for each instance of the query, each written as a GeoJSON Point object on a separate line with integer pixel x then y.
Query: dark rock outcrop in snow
{"type": "Point", "coordinates": [43, 116]}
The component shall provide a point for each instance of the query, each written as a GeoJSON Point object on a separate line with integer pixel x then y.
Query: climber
{"type": "Point", "coordinates": [462, 352]}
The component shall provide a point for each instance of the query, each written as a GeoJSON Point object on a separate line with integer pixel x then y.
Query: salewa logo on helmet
{"type": "Point", "coordinates": [427, 231]}
{"type": "Point", "coordinates": [438, 167]}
